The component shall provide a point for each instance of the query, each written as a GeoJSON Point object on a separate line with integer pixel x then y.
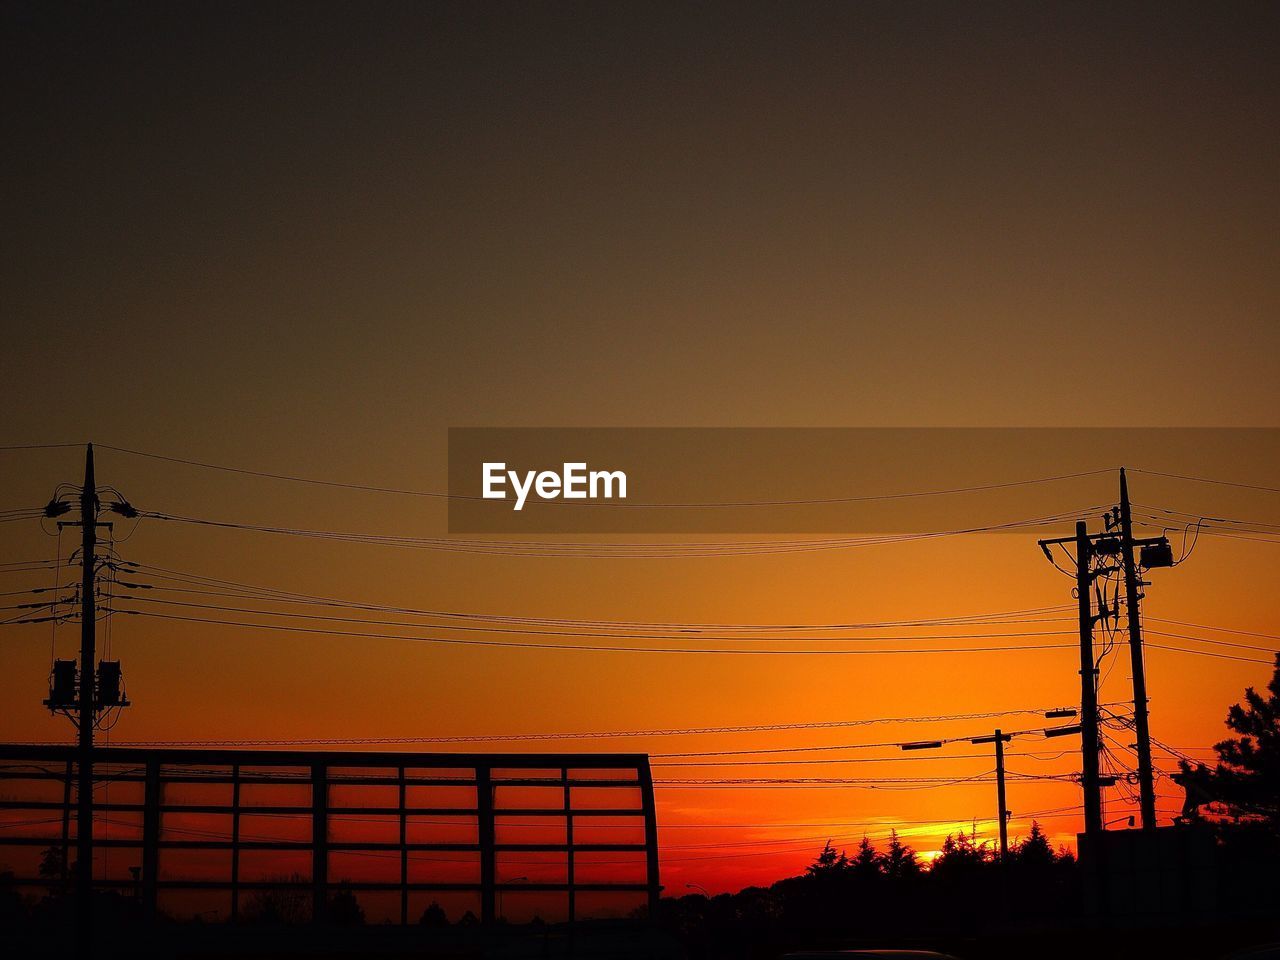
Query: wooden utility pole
{"type": "Point", "coordinates": [1089, 739]}
{"type": "Point", "coordinates": [1146, 783]}
{"type": "Point", "coordinates": [1002, 810]}
{"type": "Point", "coordinates": [85, 712]}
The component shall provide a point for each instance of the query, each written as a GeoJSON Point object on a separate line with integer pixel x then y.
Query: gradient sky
{"type": "Point", "coordinates": [307, 238]}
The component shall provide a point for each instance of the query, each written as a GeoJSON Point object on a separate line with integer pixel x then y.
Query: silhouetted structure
{"type": "Point", "coordinates": [438, 823]}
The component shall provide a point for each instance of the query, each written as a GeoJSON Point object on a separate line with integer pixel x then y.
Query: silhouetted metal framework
{"type": "Point", "coordinates": [149, 793]}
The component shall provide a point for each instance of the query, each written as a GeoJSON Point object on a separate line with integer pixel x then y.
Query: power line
{"type": "Point", "coordinates": [401, 491]}
{"type": "Point", "coordinates": [1207, 653]}
{"type": "Point", "coordinates": [275, 595]}
{"type": "Point", "coordinates": [890, 744]}
{"type": "Point", "coordinates": [262, 474]}
{"type": "Point", "coordinates": [525, 631]}
{"type": "Point", "coordinates": [1197, 516]}
{"type": "Point", "coordinates": [870, 783]}
{"type": "Point", "coordinates": [886, 783]}
{"type": "Point", "coordinates": [1205, 626]}
{"type": "Point", "coordinates": [1209, 525]}
{"type": "Point", "coordinates": [599, 550]}
{"type": "Point", "coordinates": [39, 446]}
{"type": "Point", "coordinates": [594, 648]}
{"type": "Point", "coordinates": [1218, 643]}
{"type": "Point", "coordinates": [20, 565]}
{"type": "Point", "coordinates": [843, 760]}
{"type": "Point", "coordinates": [592, 735]}
{"type": "Point", "coordinates": [32, 590]}
{"type": "Point", "coordinates": [1237, 536]}
{"type": "Point", "coordinates": [1222, 483]}
{"type": "Point", "coordinates": [601, 648]}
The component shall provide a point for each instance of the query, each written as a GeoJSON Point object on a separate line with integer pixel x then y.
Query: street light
{"type": "Point", "coordinates": [1061, 731]}
{"type": "Point", "coordinates": [700, 888]}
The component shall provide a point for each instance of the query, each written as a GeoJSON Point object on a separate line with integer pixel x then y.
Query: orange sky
{"type": "Point", "coordinates": [199, 681]}
{"type": "Point", "coordinates": [310, 245]}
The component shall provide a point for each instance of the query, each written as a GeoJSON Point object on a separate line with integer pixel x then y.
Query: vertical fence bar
{"type": "Point", "coordinates": [568, 840]}
{"type": "Point", "coordinates": [404, 854]}
{"type": "Point", "coordinates": [151, 799]}
{"type": "Point", "coordinates": [235, 842]}
{"type": "Point", "coordinates": [66, 827]}
{"type": "Point", "coordinates": [319, 842]}
{"type": "Point", "coordinates": [484, 814]}
{"type": "Point", "coordinates": [649, 807]}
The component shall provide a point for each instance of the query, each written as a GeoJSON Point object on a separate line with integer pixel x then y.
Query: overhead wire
{"type": "Point", "coordinates": [578, 632]}
{"type": "Point", "coordinates": [1194, 479]}
{"type": "Point", "coordinates": [276, 595]}
{"type": "Point", "coordinates": [38, 446]}
{"type": "Point", "coordinates": [441, 495]}
{"type": "Point", "coordinates": [596, 648]}
{"type": "Point", "coordinates": [601, 550]}
{"type": "Point", "coordinates": [600, 734]}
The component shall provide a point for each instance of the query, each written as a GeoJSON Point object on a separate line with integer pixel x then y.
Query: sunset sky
{"type": "Point", "coordinates": [306, 239]}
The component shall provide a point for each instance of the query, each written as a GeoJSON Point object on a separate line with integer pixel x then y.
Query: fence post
{"type": "Point", "coordinates": [484, 812]}
{"type": "Point", "coordinates": [404, 852]}
{"type": "Point", "coordinates": [235, 842]}
{"type": "Point", "coordinates": [568, 839]}
{"type": "Point", "coordinates": [319, 843]}
{"type": "Point", "coordinates": [649, 807]}
{"type": "Point", "coordinates": [151, 837]}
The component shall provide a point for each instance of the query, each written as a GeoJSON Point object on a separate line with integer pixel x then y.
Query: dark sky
{"type": "Point", "coordinates": [742, 213]}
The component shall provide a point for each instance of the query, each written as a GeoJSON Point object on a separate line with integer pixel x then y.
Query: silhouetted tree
{"type": "Point", "coordinates": [53, 868]}
{"type": "Point", "coordinates": [1035, 852]}
{"type": "Point", "coordinates": [285, 901]}
{"type": "Point", "coordinates": [1247, 779]}
{"type": "Point", "coordinates": [961, 856]}
{"type": "Point", "coordinates": [865, 864]}
{"type": "Point", "coordinates": [882, 895]}
{"type": "Point", "coordinates": [828, 863]}
{"type": "Point", "coordinates": [434, 916]}
{"type": "Point", "coordinates": [899, 862]}
{"type": "Point", "coordinates": [344, 908]}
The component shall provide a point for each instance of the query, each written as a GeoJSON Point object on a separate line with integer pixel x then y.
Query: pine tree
{"type": "Point", "coordinates": [899, 861]}
{"type": "Point", "coordinates": [434, 916]}
{"type": "Point", "coordinates": [866, 862]}
{"type": "Point", "coordinates": [1036, 851]}
{"type": "Point", "coordinates": [1247, 779]}
{"type": "Point", "coordinates": [828, 862]}
{"type": "Point", "coordinates": [961, 854]}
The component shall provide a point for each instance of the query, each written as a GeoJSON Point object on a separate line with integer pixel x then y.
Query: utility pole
{"type": "Point", "coordinates": [1002, 811]}
{"type": "Point", "coordinates": [1002, 808]}
{"type": "Point", "coordinates": [88, 615]}
{"type": "Point", "coordinates": [1146, 785]}
{"type": "Point", "coordinates": [81, 695]}
{"type": "Point", "coordinates": [1089, 739]}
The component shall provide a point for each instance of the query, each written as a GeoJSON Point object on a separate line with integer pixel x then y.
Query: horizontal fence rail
{"type": "Point", "coordinates": [304, 835]}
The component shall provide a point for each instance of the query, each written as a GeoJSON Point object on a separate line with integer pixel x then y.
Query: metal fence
{"type": "Point", "coordinates": [235, 834]}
